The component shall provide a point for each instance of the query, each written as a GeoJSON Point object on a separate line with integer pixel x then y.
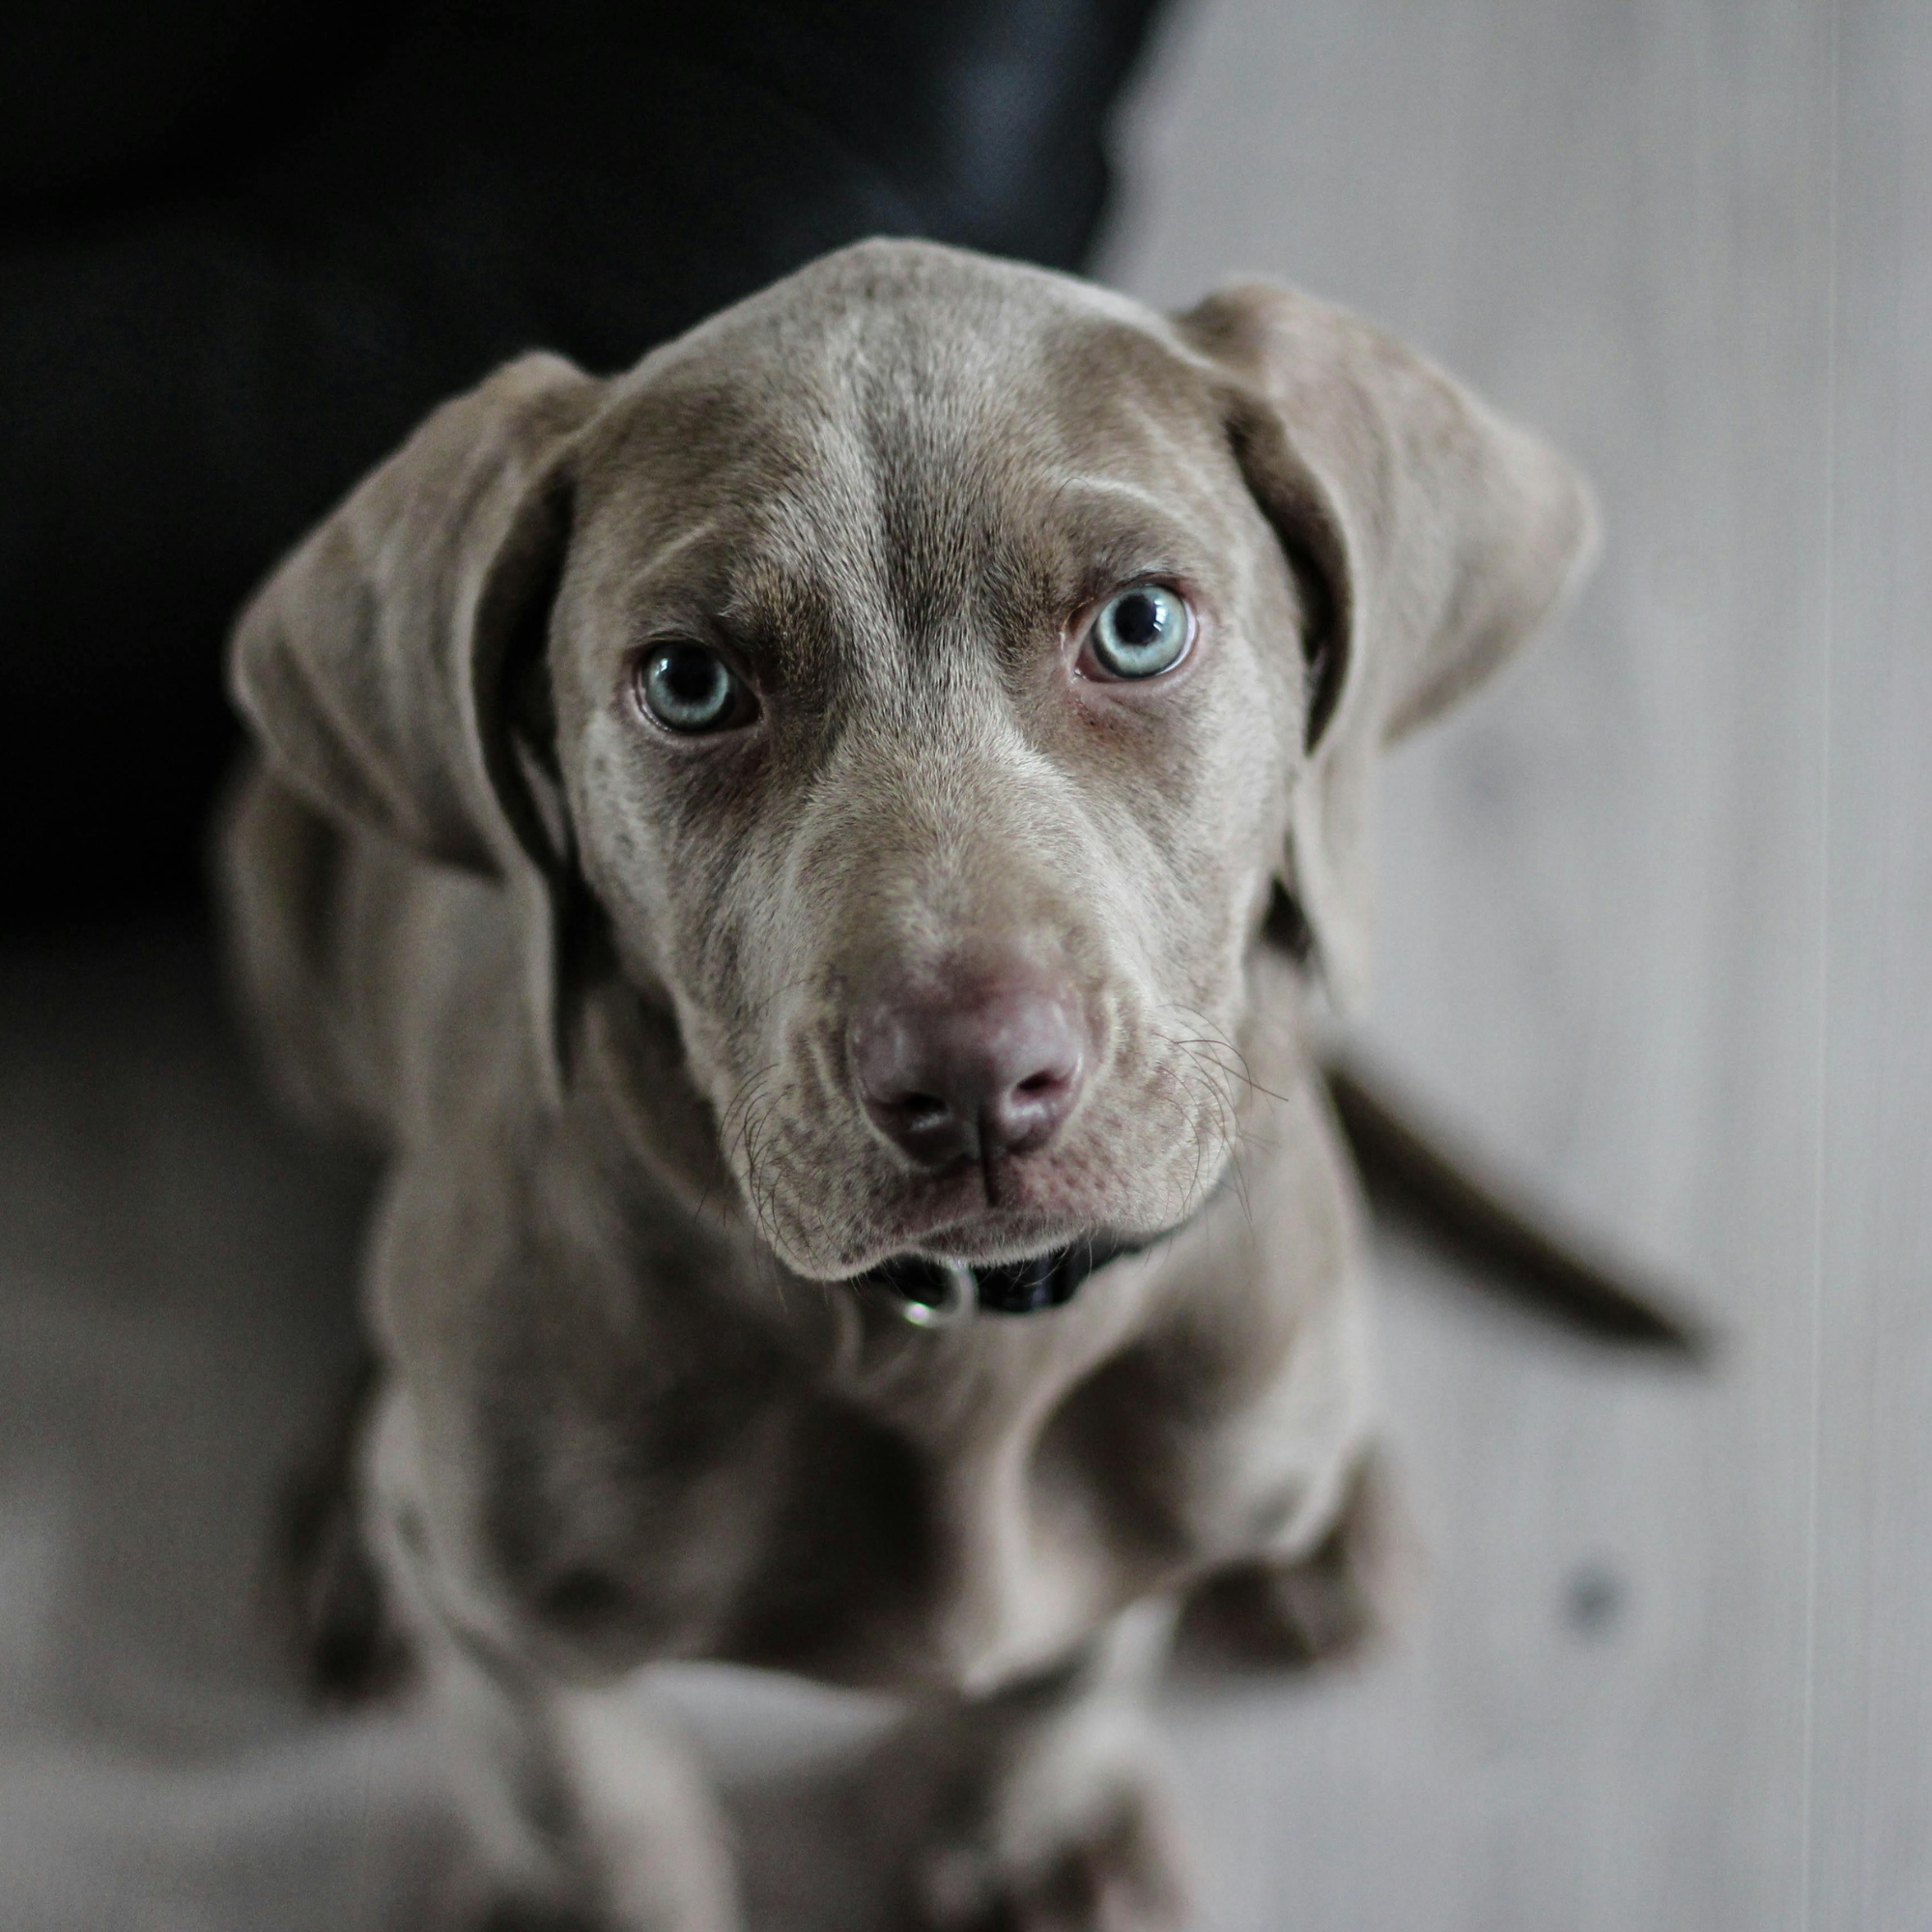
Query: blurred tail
{"type": "Point", "coordinates": [1419, 1176]}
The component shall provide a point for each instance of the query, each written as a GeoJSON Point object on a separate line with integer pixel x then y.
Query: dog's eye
{"type": "Point", "coordinates": [1138, 633]}
{"type": "Point", "coordinates": [689, 688]}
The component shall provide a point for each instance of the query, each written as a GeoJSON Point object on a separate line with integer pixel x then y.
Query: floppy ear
{"type": "Point", "coordinates": [1430, 538]}
{"type": "Point", "coordinates": [380, 663]}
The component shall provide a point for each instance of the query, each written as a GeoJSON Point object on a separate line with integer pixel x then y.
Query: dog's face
{"type": "Point", "coordinates": [947, 664]}
{"type": "Point", "coordinates": [922, 723]}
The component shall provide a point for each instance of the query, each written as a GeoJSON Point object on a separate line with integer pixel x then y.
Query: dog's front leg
{"type": "Point", "coordinates": [584, 1811]}
{"type": "Point", "coordinates": [585, 1814]}
{"type": "Point", "coordinates": [1042, 1806]}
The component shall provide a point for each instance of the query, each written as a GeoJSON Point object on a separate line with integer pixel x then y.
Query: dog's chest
{"type": "Point", "coordinates": [953, 1508]}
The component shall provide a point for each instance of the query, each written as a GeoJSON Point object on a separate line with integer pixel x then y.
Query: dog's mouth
{"type": "Point", "coordinates": [948, 1214]}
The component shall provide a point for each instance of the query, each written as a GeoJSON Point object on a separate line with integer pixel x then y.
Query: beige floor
{"type": "Point", "coordinates": [1657, 920]}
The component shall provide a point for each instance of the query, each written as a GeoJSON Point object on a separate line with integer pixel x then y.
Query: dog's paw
{"type": "Point", "coordinates": [1344, 1598]}
{"type": "Point", "coordinates": [1066, 1828]}
{"type": "Point", "coordinates": [1116, 1870]}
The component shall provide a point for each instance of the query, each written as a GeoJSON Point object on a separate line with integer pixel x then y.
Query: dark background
{"type": "Point", "coordinates": [245, 244]}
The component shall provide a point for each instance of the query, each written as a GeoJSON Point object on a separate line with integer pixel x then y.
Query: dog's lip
{"type": "Point", "coordinates": [949, 1246]}
{"type": "Point", "coordinates": [995, 1237]}
{"type": "Point", "coordinates": [946, 1217]}
{"type": "Point", "coordinates": [983, 1244]}
{"type": "Point", "coordinates": [988, 1244]}
{"type": "Point", "coordinates": [988, 1237]}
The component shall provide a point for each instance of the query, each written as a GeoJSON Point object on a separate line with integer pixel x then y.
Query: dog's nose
{"type": "Point", "coordinates": [990, 1070]}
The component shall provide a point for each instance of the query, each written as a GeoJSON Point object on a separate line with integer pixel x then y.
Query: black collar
{"type": "Point", "coordinates": [935, 1293]}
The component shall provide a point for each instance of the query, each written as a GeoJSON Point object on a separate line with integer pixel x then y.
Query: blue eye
{"type": "Point", "coordinates": [689, 688]}
{"type": "Point", "coordinates": [1140, 632]}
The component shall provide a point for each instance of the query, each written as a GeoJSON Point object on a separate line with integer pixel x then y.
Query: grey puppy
{"type": "Point", "coordinates": [799, 853]}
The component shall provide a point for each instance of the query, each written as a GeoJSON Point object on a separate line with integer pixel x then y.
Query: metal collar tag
{"type": "Point", "coordinates": [960, 1300]}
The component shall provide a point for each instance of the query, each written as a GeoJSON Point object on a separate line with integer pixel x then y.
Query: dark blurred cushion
{"type": "Point", "coordinates": [248, 252]}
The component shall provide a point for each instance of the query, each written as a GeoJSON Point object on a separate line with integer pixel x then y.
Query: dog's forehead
{"type": "Point", "coordinates": [899, 432]}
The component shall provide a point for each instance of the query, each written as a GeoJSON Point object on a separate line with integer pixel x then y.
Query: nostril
{"type": "Point", "coordinates": [1030, 1112]}
{"type": "Point", "coordinates": [981, 1067]}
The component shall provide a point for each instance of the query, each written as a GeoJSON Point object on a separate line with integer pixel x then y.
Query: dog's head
{"type": "Point", "coordinates": [939, 678]}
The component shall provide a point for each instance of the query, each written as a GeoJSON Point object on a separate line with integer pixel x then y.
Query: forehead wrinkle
{"type": "Point", "coordinates": [868, 546]}
{"type": "Point", "coordinates": [943, 442]}
{"type": "Point", "coordinates": [684, 553]}
{"type": "Point", "coordinates": [1098, 486]}
{"type": "Point", "coordinates": [796, 569]}
{"type": "Point", "coordinates": [1128, 525]}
